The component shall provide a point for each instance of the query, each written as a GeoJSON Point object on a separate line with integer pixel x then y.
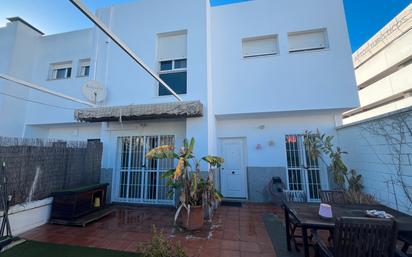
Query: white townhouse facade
{"type": "Point", "coordinates": [253, 76]}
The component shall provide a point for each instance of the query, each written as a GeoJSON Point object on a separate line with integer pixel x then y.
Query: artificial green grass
{"type": "Point", "coordinates": [39, 249]}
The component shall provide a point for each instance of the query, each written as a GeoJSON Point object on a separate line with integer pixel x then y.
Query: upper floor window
{"type": "Point", "coordinates": [60, 70]}
{"type": "Point", "coordinates": [84, 68]}
{"type": "Point", "coordinates": [260, 46]}
{"type": "Point", "coordinates": [172, 52]}
{"type": "Point", "coordinates": [308, 40]}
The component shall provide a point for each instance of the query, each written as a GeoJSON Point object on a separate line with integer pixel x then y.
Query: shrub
{"type": "Point", "coordinates": [359, 197]}
{"type": "Point", "coordinates": [159, 246]}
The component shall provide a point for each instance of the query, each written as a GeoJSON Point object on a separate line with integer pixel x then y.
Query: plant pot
{"type": "Point", "coordinates": [195, 219]}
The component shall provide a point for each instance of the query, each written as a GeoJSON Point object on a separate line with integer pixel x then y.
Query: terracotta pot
{"type": "Point", "coordinates": [195, 219]}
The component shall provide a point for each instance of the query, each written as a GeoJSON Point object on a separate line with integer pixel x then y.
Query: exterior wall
{"type": "Point", "coordinates": [147, 128]}
{"type": "Point", "coordinates": [258, 179]}
{"type": "Point", "coordinates": [286, 81]}
{"type": "Point", "coordinates": [72, 131]}
{"type": "Point", "coordinates": [30, 215]}
{"type": "Point", "coordinates": [375, 158]}
{"type": "Point", "coordinates": [128, 83]}
{"type": "Point", "coordinates": [287, 93]}
{"type": "Point", "coordinates": [264, 163]}
{"type": "Point", "coordinates": [18, 48]}
{"type": "Point", "coordinates": [71, 46]}
{"type": "Point", "coordinates": [383, 68]}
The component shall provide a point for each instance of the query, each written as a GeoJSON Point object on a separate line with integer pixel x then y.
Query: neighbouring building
{"type": "Point", "coordinates": [378, 134]}
{"type": "Point", "coordinates": [383, 70]}
{"type": "Point", "coordinates": [253, 77]}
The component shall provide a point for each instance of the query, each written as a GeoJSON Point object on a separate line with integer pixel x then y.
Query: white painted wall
{"type": "Point", "coordinates": [386, 58]}
{"type": "Point", "coordinates": [143, 128]}
{"type": "Point", "coordinates": [288, 81]}
{"type": "Point", "coordinates": [372, 157]}
{"type": "Point", "coordinates": [276, 126]}
{"type": "Point", "coordinates": [127, 83]}
{"type": "Point", "coordinates": [18, 51]}
{"type": "Point", "coordinates": [288, 93]}
{"type": "Point", "coordinates": [24, 217]}
{"type": "Point", "coordinates": [71, 46]}
{"type": "Point", "coordinates": [386, 72]}
{"type": "Point", "coordinates": [72, 131]}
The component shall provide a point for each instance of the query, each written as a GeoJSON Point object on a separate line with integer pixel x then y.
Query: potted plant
{"type": "Point", "coordinates": [196, 192]}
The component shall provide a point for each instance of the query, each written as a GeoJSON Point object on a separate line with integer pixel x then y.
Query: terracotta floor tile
{"type": "Point", "coordinates": [229, 253]}
{"type": "Point", "coordinates": [230, 245]}
{"type": "Point", "coordinates": [210, 253]}
{"type": "Point", "coordinates": [213, 244]}
{"type": "Point", "coordinates": [249, 247]}
{"type": "Point", "coordinates": [234, 231]}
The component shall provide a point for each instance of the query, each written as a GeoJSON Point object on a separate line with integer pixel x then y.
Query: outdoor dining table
{"type": "Point", "coordinates": [307, 214]}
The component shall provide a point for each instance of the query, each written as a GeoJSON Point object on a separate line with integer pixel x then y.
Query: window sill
{"type": "Point", "coordinates": [259, 55]}
{"type": "Point", "coordinates": [309, 50]}
{"type": "Point", "coordinates": [57, 79]}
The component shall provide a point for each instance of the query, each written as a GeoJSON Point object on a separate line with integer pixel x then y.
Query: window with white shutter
{"type": "Point", "coordinates": [172, 59]}
{"type": "Point", "coordinates": [260, 46]}
{"type": "Point", "coordinates": [62, 70]}
{"type": "Point", "coordinates": [307, 40]}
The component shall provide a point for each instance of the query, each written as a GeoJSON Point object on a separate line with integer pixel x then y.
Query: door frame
{"type": "Point", "coordinates": [116, 171]}
{"type": "Point", "coordinates": [244, 164]}
{"type": "Point", "coordinates": [304, 169]}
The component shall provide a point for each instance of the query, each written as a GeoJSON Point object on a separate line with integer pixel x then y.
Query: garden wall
{"type": "Point", "coordinates": [36, 168]}
{"type": "Point", "coordinates": [380, 149]}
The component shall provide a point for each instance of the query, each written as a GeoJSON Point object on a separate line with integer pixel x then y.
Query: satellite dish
{"type": "Point", "coordinates": [94, 91]}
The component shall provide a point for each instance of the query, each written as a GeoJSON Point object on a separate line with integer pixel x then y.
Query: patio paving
{"type": "Point", "coordinates": [234, 231]}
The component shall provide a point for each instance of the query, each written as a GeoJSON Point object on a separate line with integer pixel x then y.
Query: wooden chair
{"type": "Point", "coordinates": [360, 237]}
{"type": "Point", "coordinates": [293, 196]}
{"type": "Point", "coordinates": [407, 242]}
{"type": "Point", "coordinates": [332, 196]}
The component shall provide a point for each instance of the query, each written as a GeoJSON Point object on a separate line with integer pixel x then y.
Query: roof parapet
{"type": "Point", "coordinates": [14, 19]}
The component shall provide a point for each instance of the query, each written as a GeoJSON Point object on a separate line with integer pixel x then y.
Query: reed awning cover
{"type": "Point", "coordinates": [185, 109]}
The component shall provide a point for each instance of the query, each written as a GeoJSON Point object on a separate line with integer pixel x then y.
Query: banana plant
{"type": "Point", "coordinates": [186, 177]}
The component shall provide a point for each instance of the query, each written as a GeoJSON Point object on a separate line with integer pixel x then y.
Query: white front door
{"type": "Point", "coordinates": [233, 170]}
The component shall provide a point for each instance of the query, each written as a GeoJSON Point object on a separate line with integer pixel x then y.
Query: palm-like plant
{"type": "Point", "coordinates": [186, 177]}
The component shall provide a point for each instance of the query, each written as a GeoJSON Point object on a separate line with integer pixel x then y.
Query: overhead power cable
{"type": "Point", "coordinates": [36, 102]}
{"type": "Point", "coordinates": [44, 89]}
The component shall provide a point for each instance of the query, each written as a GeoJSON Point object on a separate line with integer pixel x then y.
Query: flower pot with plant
{"type": "Point", "coordinates": [196, 192]}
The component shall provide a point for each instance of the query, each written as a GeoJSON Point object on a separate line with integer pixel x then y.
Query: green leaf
{"type": "Point", "coordinates": [168, 174]}
{"type": "Point", "coordinates": [214, 161]}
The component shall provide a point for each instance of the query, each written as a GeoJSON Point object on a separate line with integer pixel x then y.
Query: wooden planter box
{"type": "Point", "coordinates": [78, 205]}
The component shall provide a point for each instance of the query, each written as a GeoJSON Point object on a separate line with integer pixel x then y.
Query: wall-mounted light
{"type": "Point", "coordinates": [258, 147]}
{"type": "Point", "coordinates": [261, 127]}
{"type": "Point", "coordinates": [271, 143]}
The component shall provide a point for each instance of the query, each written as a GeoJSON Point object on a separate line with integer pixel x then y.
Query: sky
{"type": "Point", "coordinates": [364, 17]}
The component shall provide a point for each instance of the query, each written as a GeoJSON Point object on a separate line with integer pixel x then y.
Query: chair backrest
{"type": "Point", "coordinates": [364, 237]}
{"type": "Point", "coordinates": [332, 196]}
{"type": "Point", "coordinates": [294, 196]}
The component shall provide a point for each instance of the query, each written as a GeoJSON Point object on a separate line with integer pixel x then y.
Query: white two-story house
{"type": "Point", "coordinates": [253, 77]}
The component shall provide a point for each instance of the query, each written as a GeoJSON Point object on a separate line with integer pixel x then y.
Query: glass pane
{"type": "Point", "coordinates": [292, 151]}
{"type": "Point", "coordinates": [60, 73]}
{"type": "Point", "coordinates": [86, 70]}
{"type": "Point", "coordinates": [180, 64]}
{"type": "Point", "coordinates": [177, 81]}
{"type": "Point", "coordinates": [166, 65]}
{"type": "Point", "coordinates": [69, 72]}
